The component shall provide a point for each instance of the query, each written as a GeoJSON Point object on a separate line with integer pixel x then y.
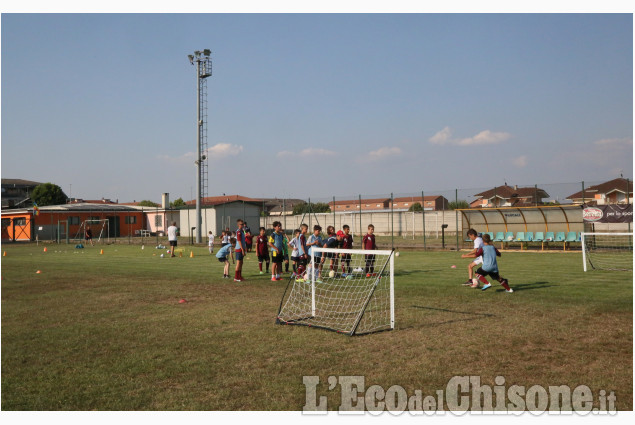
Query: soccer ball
{"type": "Point", "coordinates": [397, 254]}
{"type": "Point", "coordinates": [331, 273]}
{"type": "Point", "coordinates": [161, 255]}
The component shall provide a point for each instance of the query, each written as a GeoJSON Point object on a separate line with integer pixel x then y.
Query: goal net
{"type": "Point", "coordinates": [607, 251]}
{"type": "Point", "coordinates": [100, 229]}
{"type": "Point", "coordinates": [343, 290]}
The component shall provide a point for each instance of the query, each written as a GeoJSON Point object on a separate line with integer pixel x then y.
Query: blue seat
{"type": "Point", "coordinates": [520, 237]}
{"type": "Point", "coordinates": [560, 237]}
{"type": "Point", "coordinates": [491, 235]}
{"type": "Point", "coordinates": [539, 237]}
{"type": "Point", "coordinates": [509, 236]}
{"type": "Point", "coordinates": [500, 236]}
{"type": "Point", "coordinates": [549, 237]}
{"type": "Point", "coordinates": [529, 236]}
{"type": "Point", "coordinates": [578, 237]}
{"type": "Point", "coordinates": [571, 237]}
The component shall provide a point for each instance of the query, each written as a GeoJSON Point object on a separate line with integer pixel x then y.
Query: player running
{"type": "Point", "coordinates": [489, 266]}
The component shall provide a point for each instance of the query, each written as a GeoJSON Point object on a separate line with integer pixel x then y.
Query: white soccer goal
{"type": "Point", "coordinates": [348, 291]}
{"type": "Point", "coordinates": [607, 251]}
{"type": "Point", "coordinates": [100, 228]}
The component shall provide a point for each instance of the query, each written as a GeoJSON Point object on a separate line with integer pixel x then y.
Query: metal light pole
{"type": "Point", "coordinates": [203, 63]}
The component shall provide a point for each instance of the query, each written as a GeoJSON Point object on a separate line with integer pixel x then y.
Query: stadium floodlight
{"type": "Point", "coordinates": [349, 291]}
{"type": "Point", "coordinates": [203, 70]}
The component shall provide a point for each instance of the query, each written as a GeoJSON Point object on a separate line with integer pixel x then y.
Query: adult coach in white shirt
{"type": "Point", "coordinates": [478, 243]}
{"type": "Point", "coordinates": [172, 230]}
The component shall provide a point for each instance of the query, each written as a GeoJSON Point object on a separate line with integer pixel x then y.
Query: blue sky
{"type": "Point", "coordinates": [316, 105]}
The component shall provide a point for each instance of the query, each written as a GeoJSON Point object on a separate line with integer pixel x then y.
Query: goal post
{"type": "Point", "coordinates": [607, 251]}
{"type": "Point", "coordinates": [342, 290]}
{"type": "Point", "coordinates": [100, 227]}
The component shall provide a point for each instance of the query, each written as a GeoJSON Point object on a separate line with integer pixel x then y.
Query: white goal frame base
{"type": "Point", "coordinates": [352, 303]}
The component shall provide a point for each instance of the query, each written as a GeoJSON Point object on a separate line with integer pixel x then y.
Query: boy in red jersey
{"type": "Point", "coordinates": [346, 243]}
{"type": "Point", "coordinates": [368, 243]}
{"type": "Point", "coordinates": [262, 249]}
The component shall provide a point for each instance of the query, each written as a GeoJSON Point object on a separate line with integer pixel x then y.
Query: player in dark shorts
{"type": "Point", "coordinates": [88, 235]}
{"type": "Point", "coordinates": [262, 249]}
{"type": "Point", "coordinates": [368, 243]}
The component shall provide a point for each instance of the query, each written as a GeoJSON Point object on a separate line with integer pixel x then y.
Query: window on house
{"type": "Point", "coordinates": [19, 221]}
{"type": "Point", "coordinates": [73, 220]}
{"type": "Point", "coordinates": [6, 222]}
{"type": "Point", "coordinates": [131, 219]}
{"type": "Point", "coordinates": [348, 206]}
{"type": "Point", "coordinates": [158, 220]}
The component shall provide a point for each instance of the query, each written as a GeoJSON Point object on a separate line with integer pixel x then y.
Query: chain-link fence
{"type": "Point", "coordinates": [439, 218]}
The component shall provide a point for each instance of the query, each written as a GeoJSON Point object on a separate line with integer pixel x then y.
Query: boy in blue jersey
{"type": "Point", "coordinates": [490, 265]}
{"type": "Point", "coordinates": [315, 240]}
{"type": "Point", "coordinates": [223, 253]}
{"type": "Point", "coordinates": [276, 242]}
{"type": "Point", "coordinates": [332, 241]}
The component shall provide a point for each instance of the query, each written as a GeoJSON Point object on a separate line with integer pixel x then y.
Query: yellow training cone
{"type": "Point", "coordinates": [180, 254]}
{"type": "Point", "coordinates": [191, 254]}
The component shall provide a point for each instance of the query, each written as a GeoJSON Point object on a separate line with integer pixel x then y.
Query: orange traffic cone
{"type": "Point", "coordinates": [180, 254]}
{"type": "Point", "coordinates": [5, 254]}
{"type": "Point", "coordinates": [45, 249]}
{"type": "Point", "coordinates": [191, 254]}
{"type": "Point", "coordinates": [101, 251]}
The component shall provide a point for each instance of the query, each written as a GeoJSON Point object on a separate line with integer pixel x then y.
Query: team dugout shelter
{"type": "Point", "coordinates": [66, 222]}
{"type": "Point", "coordinates": [522, 227]}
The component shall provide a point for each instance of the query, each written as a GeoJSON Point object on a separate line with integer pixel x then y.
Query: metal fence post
{"type": "Point", "coordinates": [456, 216]}
{"type": "Point", "coordinates": [423, 214]}
{"type": "Point", "coordinates": [392, 220]}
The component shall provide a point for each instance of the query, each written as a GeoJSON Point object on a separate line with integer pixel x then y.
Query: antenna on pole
{"type": "Point", "coordinates": [203, 63]}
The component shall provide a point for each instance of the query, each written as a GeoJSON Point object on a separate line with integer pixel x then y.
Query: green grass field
{"type": "Point", "coordinates": [107, 332]}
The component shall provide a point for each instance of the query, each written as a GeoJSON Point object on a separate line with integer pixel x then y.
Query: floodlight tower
{"type": "Point", "coordinates": [203, 63]}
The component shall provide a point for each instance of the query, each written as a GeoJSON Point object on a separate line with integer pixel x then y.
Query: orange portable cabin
{"type": "Point", "coordinates": [60, 222]}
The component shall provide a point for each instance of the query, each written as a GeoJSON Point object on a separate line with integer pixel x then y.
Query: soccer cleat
{"type": "Point", "coordinates": [300, 280]}
{"type": "Point", "coordinates": [505, 284]}
{"type": "Point", "coordinates": [489, 285]}
{"type": "Point", "coordinates": [468, 283]}
{"type": "Point", "coordinates": [273, 279]}
{"type": "Point", "coordinates": [367, 274]}
{"type": "Point", "coordinates": [344, 275]}
{"type": "Point", "coordinates": [318, 281]}
{"type": "Point", "coordinates": [237, 280]}
{"type": "Point", "coordinates": [262, 273]}
{"type": "Point", "coordinates": [349, 277]}
{"type": "Point", "coordinates": [509, 291]}
{"type": "Point", "coordinates": [278, 278]}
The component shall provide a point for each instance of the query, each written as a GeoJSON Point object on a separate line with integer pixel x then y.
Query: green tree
{"type": "Point", "coordinates": [461, 204]}
{"type": "Point", "coordinates": [178, 203]}
{"type": "Point", "coordinates": [415, 207]}
{"type": "Point", "coordinates": [146, 203]}
{"type": "Point", "coordinates": [318, 207]}
{"type": "Point", "coordinates": [48, 194]}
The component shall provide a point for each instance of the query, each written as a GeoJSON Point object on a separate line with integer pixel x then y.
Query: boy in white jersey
{"type": "Point", "coordinates": [210, 235]}
{"type": "Point", "coordinates": [478, 243]}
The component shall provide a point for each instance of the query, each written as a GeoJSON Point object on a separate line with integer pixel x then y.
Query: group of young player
{"type": "Point", "coordinates": [275, 249]}
{"type": "Point", "coordinates": [484, 254]}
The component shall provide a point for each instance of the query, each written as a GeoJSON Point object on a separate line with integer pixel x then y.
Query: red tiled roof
{"type": "Point", "coordinates": [618, 184]}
